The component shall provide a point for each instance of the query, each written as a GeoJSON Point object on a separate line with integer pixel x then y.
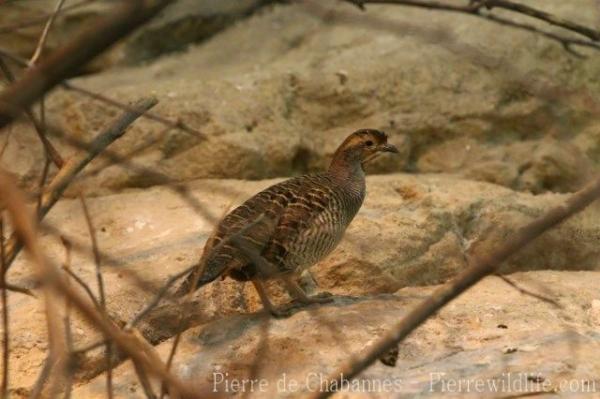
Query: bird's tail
{"type": "Point", "coordinates": [207, 271]}
{"type": "Point", "coordinates": [193, 281]}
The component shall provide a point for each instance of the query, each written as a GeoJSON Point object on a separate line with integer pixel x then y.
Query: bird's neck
{"type": "Point", "coordinates": [347, 166]}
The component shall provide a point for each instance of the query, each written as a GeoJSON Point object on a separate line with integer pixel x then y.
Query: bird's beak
{"type": "Point", "coordinates": [388, 148]}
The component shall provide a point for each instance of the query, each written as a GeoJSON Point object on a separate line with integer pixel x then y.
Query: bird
{"type": "Point", "coordinates": [291, 225]}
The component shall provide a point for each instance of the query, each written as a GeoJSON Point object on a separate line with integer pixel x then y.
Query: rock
{"type": "Point", "coordinates": [276, 93]}
{"type": "Point", "coordinates": [412, 230]}
{"type": "Point", "coordinates": [183, 23]}
{"type": "Point", "coordinates": [454, 352]}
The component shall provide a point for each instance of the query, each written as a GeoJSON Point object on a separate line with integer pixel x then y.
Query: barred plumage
{"type": "Point", "coordinates": [293, 224]}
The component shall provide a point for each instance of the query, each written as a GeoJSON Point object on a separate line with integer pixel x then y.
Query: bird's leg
{"type": "Point", "coordinates": [264, 298]}
{"type": "Point", "coordinates": [298, 293]}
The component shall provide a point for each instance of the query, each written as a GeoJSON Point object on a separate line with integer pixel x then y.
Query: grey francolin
{"type": "Point", "coordinates": [291, 225]}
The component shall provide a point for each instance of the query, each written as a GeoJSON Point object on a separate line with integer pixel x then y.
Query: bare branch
{"type": "Point", "coordinates": [100, 281]}
{"type": "Point", "coordinates": [148, 115]}
{"type": "Point", "coordinates": [83, 285]}
{"type": "Point", "coordinates": [44, 36]}
{"type": "Point", "coordinates": [41, 19]}
{"type": "Point", "coordinates": [475, 8]}
{"type": "Point", "coordinates": [67, 321]}
{"type": "Point", "coordinates": [159, 295]}
{"type": "Point", "coordinates": [529, 293]}
{"type": "Point", "coordinates": [40, 128]}
{"type": "Point", "coordinates": [5, 321]}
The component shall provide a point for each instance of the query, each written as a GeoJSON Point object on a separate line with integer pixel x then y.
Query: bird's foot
{"type": "Point", "coordinates": [322, 297]}
{"type": "Point", "coordinates": [282, 313]}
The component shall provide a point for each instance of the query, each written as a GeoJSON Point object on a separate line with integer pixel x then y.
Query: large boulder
{"type": "Point", "coordinates": [277, 92]}
{"type": "Point", "coordinates": [183, 23]}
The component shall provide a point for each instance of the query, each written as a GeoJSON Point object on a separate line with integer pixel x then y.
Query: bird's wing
{"type": "Point", "coordinates": [253, 225]}
{"type": "Point", "coordinates": [301, 216]}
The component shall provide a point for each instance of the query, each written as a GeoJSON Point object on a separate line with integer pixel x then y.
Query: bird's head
{"type": "Point", "coordinates": [360, 147]}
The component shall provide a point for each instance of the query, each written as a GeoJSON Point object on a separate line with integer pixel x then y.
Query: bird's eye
{"type": "Point", "coordinates": [368, 143]}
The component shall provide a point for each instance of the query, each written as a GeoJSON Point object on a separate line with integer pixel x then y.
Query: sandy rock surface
{"type": "Point", "coordinates": [276, 93]}
{"type": "Point", "coordinates": [495, 126]}
{"type": "Point", "coordinates": [412, 230]}
{"type": "Point", "coordinates": [492, 335]}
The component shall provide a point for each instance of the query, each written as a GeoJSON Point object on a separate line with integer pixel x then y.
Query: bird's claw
{"type": "Point", "coordinates": [322, 297]}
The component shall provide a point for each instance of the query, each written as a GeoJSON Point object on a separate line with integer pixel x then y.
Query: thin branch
{"type": "Point", "coordinates": [148, 115]}
{"type": "Point", "coordinates": [85, 287]}
{"type": "Point", "coordinates": [42, 378]}
{"type": "Point", "coordinates": [24, 228]}
{"type": "Point", "coordinates": [42, 183]}
{"type": "Point", "coordinates": [39, 127]}
{"type": "Point", "coordinates": [70, 170]}
{"type": "Point", "coordinates": [5, 321]}
{"type": "Point", "coordinates": [100, 281]}
{"type": "Point", "coordinates": [529, 293]}
{"type": "Point", "coordinates": [96, 252]}
{"type": "Point", "coordinates": [475, 8]}
{"type": "Point", "coordinates": [159, 295]}
{"type": "Point", "coordinates": [39, 20]}
{"type": "Point", "coordinates": [588, 32]}
{"type": "Point", "coordinates": [144, 382]}
{"type": "Point", "coordinates": [159, 178]}
{"type": "Point", "coordinates": [67, 322]}
{"type": "Point", "coordinates": [482, 266]}
{"type": "Point", "coordinates": [44, 36]}
{"type": "Point", "coordinates": [71, 57]}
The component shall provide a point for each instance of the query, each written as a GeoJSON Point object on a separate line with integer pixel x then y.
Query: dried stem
{"type": "Point", "coordinates": [96, 252]}
{"type": "Point", "coordinates": [85, 287]}
{"type": "Point", "coordinates": [44, 36]}
{"type": "Point", "coordinates": [148, 115]}
{"type": "Point", "coordinates": [39, 20]}
{"type": "Point", "coordinates": [5, 318]}
{"type": "Point", "coordinates": [100, 281]}
{"type": "Point", "coordinates": [67, 321]}
{"type": "Point", "coordinates": [475, 8]}
{"type": "Point", "coordinates": [24, 228]}
{"type": "Point", "coordinates": [529, 293]}
{"type": "Point", "coordinates": [159, 295]}
{"type": "Point", "coordinates": [481, 266]}
{"type": "Point", "coordinates": [40, 128]}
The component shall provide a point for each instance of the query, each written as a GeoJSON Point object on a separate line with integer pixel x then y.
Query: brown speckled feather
{"type": "Point", "coordinates": [292, 224]}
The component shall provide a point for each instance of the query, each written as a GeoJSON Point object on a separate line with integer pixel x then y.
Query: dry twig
{"type": "Point", "coordinates": [44, 36]}
{"type": "Point", "coordinates": [100, 281]}
{"type": "Point", "coordinates": [474, 8]}
{"type": "Point", "coordinates": [40, 19]}
{"type": "Point", "coordinates": [528, 292]}
{"type": "Point", "coordinates": [67, 322]}
{"type": "Point", "coordinates": [5, 321]}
